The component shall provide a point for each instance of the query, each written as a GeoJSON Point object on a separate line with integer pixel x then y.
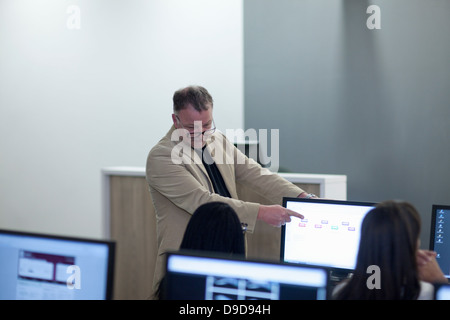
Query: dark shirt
{"type": "Point", "coordinates": [214, 174]}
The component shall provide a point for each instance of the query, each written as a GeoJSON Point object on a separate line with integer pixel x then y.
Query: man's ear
{"type": "Point", "coordinates": [175, 121]}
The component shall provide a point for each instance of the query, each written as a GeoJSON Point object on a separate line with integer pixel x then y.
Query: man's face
{"type": "Point", "coordinates": [195, 122]}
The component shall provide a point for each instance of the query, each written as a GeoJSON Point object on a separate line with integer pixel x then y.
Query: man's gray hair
{"type": "Point", "coordinates": [196, 96]}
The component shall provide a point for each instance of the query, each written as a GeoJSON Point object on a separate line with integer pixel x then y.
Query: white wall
{"type": "Point", "coordinates": [75, 101]}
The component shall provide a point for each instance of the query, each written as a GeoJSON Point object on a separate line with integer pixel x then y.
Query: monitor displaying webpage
{"type": "Point", "coordinates": [40, 267]}
{"type": "Point", "coordinates": [327, 236]}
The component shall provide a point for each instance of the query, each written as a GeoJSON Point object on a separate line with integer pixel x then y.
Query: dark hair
{"type": "Point", "coordinates": [214, 227]}
{"type": "Point", "coordinates": [389, 240]}
{"type": "Point", "coordinates": [196, 96]}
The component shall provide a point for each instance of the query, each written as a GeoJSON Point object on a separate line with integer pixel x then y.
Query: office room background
{"type": "Point", "coordinates": [86, 84]}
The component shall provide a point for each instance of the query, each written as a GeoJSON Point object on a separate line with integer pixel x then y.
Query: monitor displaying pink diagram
{"type": "Point", "coordinates": [327, 236]}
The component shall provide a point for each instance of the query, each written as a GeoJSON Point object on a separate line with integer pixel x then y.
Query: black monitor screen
{"type": "Point", "coordinates": [440, 236]}
{"type": "Point", "coordinates": [194, 277]}
{"type": "Point", "coordinates": [45, 267]}
{"type": "Point", "coordinates": [327, 236]}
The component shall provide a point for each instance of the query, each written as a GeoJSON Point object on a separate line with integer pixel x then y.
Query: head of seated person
{"type": "Point", "coordinates": [389, 241]}
{"type": "Point", "coordinates": [214, 227]}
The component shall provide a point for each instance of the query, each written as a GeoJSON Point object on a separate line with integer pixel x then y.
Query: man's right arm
{"type": "Point", "coordinates": [276, 215]}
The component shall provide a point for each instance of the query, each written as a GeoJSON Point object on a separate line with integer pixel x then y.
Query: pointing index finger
{"type": "Point", "coordinates": [295, 214]}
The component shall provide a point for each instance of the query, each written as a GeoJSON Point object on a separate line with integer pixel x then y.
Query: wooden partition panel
{"type": "Point", "coordinates": [133, 227]}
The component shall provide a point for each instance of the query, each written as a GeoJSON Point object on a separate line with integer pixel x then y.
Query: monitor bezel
{"type": "Point", "coordinates": [239, 258]}
{"type": "Point", "coordinates": [339, 272]}
{"type": "Point", "coordinates": [110, 244]}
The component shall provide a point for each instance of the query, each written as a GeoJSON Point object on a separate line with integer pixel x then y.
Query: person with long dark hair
{"type": "Point", "coordinates": [390, 242]}
{"type": "Point", "coordinates": [214, 228]}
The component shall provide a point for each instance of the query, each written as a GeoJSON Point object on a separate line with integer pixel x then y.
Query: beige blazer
{"type": "Point", "coordinates": [179, 184]}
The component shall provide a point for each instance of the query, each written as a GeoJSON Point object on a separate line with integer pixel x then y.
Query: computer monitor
{"type": "Point", "coordinates": [48, 267]}
{"type": "Point", "coordinates": [201, 277]}
{"type": "Point", "coordinates": [442, 291]}
{"type": "Point", "coordinates": [440, 236]}
{"type": "Point", "coordinates": [327, 236]}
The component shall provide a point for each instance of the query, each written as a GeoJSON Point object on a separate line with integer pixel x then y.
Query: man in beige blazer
{"type": "Point", "coordinates": [194, 164]}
